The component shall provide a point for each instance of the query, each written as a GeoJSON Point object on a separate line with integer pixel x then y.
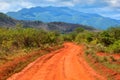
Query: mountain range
{"type": "Point", "coordinates": [62, 27]}
{"type": "Point", "coordinates": [64, 14]}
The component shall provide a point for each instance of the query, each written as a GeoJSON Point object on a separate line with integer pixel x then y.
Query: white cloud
{"type": "Point", "coordinates": [11, 5]}
{"type": "Point", "coordinates": [26, 4]}
{"type": "Point", "coordinates": [4, 6]}
{"type": "Point", "coordinates": [51, 0]}
{"type": "Point", "coordinates": [67, 4]}
{"type": "Point", "coordinates": [96, 6]}
{"type": "Point", "coordinates": [114, 3]}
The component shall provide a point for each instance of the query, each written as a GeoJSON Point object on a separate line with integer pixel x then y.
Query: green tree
{"type": "Point", "coordinates": [79, 29]}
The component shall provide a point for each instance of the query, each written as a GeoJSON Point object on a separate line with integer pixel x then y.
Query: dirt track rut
{"type": "Point", "coordinates": [64, 64]}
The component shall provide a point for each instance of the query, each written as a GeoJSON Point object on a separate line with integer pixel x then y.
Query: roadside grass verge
{"type": "Point", "coordinates": [110, 67]}
{"type": "Point", "coordinates": [17, 62]}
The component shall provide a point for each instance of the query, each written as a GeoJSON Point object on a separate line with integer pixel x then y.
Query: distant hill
{"type": "Point", "coordinates": [6, 21]}
{"type": "Point", "coordinates": [63, 14]}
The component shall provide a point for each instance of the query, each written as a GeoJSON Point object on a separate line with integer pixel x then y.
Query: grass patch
{"type": "Point", "coordinates": [17, 64]}
{"type": "Point", "coordinates": [91, 64]}
{"type": "Point", "coordinates": [115, 67]}
{"type": "Point", "coordinates": [107, 61]}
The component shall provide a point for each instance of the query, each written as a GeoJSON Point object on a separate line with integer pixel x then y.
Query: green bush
{"type": "Point", "coordinates": [103, 59]}
{"type": "Point", "coordinates": [86, 37]}
{"type": "Point", "coordinates": [89, 51]}
{"type": "Point", "coordinates": [114, 32]}
{"type": "Point", "coordinates": [105, 38]}
{"type": "Point", "coordinates": [78, 30]}
{"type": "Point", "coordinates": [19, 38]}
{"type": "Point", "coordinates": [100, 48]}
{"type": "Point", "coordinates": [115, 47]}
{"type": "Point", "coordinates": [109, 40]}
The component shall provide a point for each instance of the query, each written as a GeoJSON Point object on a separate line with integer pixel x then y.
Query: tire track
{"type": "Point", "coordinates": [64, 64]}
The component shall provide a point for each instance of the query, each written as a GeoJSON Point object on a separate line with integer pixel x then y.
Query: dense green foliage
{"type": "Point", "coordinates": [102, 41]}
{"type": "Point", "coordinates": [26, 39]}
{"type": "Point", "coordinates": [20, 38]}
{"type": "Point", "coordinates": [105, 41]}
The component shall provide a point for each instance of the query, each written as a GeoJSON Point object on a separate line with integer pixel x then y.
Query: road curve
{"type": "Point", "coordinates": [64, 64]}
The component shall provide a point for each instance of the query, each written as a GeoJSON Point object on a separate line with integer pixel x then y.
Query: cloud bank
{"type": "Point", "coordinates": [103, 7]}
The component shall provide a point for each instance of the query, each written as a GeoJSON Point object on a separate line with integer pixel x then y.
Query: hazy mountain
{"type": "Point", "coordinates": [6, 21]}
{"type": "Point", "coordinates": [62, 27]}
{"type": "Point", "coordinates": [119, 20]}
{"type": "Point", "coordinates": [63, 14]}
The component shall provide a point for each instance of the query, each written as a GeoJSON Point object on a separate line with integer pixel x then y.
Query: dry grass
{"type": "Point", "coordinates": [15, 63]}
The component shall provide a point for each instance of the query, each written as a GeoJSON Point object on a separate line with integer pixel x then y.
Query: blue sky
{"type": "Point", "coordinates": [108, 8]}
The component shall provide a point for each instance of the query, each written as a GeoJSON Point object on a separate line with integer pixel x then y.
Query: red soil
{"type": "Point", "coordinates": [116, 56]}
{"type": "Point", "coordinates": [107, 72]}
{"type": "Point", "coordinates": [9, 66]}
{"type": "Point", "coordinates": [64, 64]}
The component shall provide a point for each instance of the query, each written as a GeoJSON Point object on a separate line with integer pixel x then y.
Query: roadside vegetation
{"type": "Point", "coordinates": [14, 39]}
{"type": "Point", "coordinates": [18, 42]}
{"type": "Point", "coordinates": [20, 46]}
{"type": "Point", "coordinates": [102, 47]}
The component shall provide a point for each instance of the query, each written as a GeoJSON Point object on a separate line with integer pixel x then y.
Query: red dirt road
{"type": "Point", "coordinates": [64, 64]}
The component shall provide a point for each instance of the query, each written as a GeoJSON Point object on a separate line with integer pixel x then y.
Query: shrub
{"type": "Point", "coordinates": [94, 42]}
{"type": "Point", "coordinates": [78, 30]}
{"type": "Point", "coordinates": [89, 51]}
{"type": "Point", "coordinates": [20, 38]}
{"type": "Point", "coordinates": [103, 59]}
{"type": "Point", "coordinates": [115, 47]}
{"type": "Point", "coordinates": [105, 38]}
{"type": "Point", "coordinates": [112, 58]}
{"type": "Point", "coordinates": [84, 37]}
{"type": "Point", "coordinates": [114, 32]}
{"type": "Point", "coordinates": [100, 48]}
